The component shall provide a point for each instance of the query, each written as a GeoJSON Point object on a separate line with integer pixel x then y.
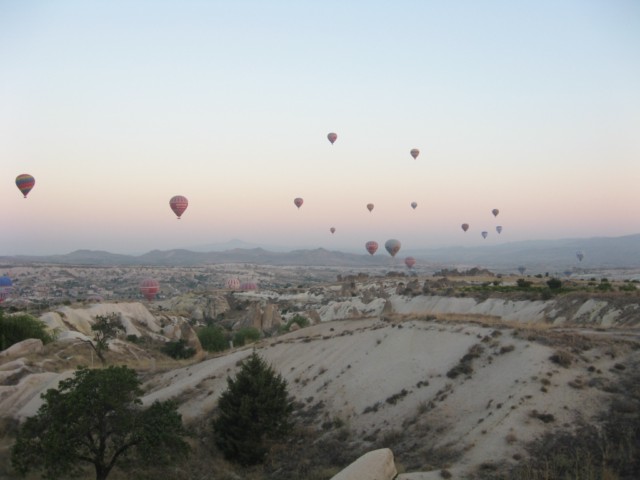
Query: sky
{"type": "Point", "coordinates": [530, 107]}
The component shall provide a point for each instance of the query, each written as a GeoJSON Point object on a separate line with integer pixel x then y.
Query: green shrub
{"type": "Point", "coordinates": [554, 283]}
{"type": "Point", "coordinates": [178, 349]}
{"type": "Point", "coordinates": [246, 335]}
{"type": "Point", "coordinates": [299, 319]}
{"type": "Point", "coordinates": [254, 412]}
{"type": "Point", "coordinates": [522, 283]}
{"type": "Point", "coordinates": [16, 328]}
{"type": "Point", "coordinates": [213, 338]}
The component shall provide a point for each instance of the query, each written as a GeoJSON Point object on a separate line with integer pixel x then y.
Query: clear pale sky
{"type": "Point", "coordinates": [531, 107]}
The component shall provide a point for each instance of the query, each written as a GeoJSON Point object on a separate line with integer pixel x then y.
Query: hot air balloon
{"type": "Point", "coordinates": [369, 206]}
{"type": "Point", "coordinates": [6, 287]}
{"type": "Point", "coordinates": [393, 246]}
{"type": "Point", "coordinates": [246, 286]}
{"type": "Point", "coordinates": [414, 153]}
{"type": "Point", "coordinates": [580, 256]}
{"type": "Point", "coordinates": [484, 234]}
{"type": "Point", "coordinates": [178, 204]}
{"type": "Point", "coordinates": [332, 137]}
{"type": "Point", "coordinates": [410, 262]}
{"type": "Point", "coordinates": [149, 288]}
{"type": "Point", "coordinates": [465, 226]}
{"type": "Point", "coordinates": [25, 183]}
{"type": "Point", "coordinates": [521, 269]}
{"type": "Point", "coordinates": [233, 283]}
{"type": "Point", "coordinates": [298, 202]}
{"type": "Point", "coordinates": [499, 229]}
{"type": "Point", "coordinates": [495, 212]}
{"type": "Point", "coordinates": [332, 230]}
{"type": "Point", "coordinates": [414, 205]}
{"type": "Point", "coordinates": [372, 247]}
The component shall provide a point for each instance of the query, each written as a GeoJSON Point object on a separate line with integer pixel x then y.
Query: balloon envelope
{"type": "Point", "coordinates": [6, 286]}
{"type": "Point", "coordinates": [521, 270]}
{"type": "Point", "coordinates": [25, 183]}
{"type": "Point", "coordinates": [580, 256]}
{"type": "Point", "coordinates": [178, 204]}
{"type": "Point", "coordinates": [232, 283]}
{"type": "Point", "coordinates": [372, 247]}
{"type": "Point", "coordinates": [410, 262]}
{"type": "Point", "coordinates": [149, 288]}
{"type": "Point", "coordinates": [393, 246]}
{"type": "Point", "coordinates": [414, 153]}
{"type": "Point", "coordinates": [499, 229]}
{"type": "Point", "coordinates": [495, 212]}
{"type": "Point", "coordinates": [246, 286]}
{"type": "Point", "coordinates": [414, 205]}
{"type": "Point", "coordinates": [369, 206]}
{"type": "Point", "coordinates": [298, 202]}
{"type": "Point", "coordinates": [465, 226]}
{"type": "Point", "coordinates": [332, 137]}
{"type": "Point", "coordinates": [332, 229]}
{"type": "Point", "coordinates": [484, 234]}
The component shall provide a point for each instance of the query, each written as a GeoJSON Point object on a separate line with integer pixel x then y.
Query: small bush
{"type": "Point", "coordinates": [178, 349]}
{"type": "Point", "coordinates": [213, 338]}
{"type": "Point", "coordinates": [522, 283]}
{"type": "Point", "coordinates": [16, 328]}
{"type": "Point", "coordinates": [298, 319]}
{"type": "Point", "coordinates": [246, 335]}
{"type": "Point", "coordinates": [562, 358]}
{"type": "Point", "coordinates": [554, 283]}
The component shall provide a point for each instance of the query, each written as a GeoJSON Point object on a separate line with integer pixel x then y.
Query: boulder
{"type": "Point", "coordinates": [374, 465]}
{"type": "Point", "coordinates": [263, 316]}
{"type": "Point", "coordinates": [25, 347]}
{"type": "Point", "coordinates": [180, 329]}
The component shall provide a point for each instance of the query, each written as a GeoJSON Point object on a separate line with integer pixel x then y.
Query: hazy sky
{"type": "Point", "coordinates": [531, 107]}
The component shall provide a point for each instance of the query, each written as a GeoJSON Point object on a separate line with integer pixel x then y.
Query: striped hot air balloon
{"type": "Point", "coordinates": [149, 288]}
{"type": "Point", "coordinates": [25, 183]}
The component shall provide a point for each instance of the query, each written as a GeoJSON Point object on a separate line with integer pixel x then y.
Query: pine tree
{"type": "Point", "coordinates": [254, 411]}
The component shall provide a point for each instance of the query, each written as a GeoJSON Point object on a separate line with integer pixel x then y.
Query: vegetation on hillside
{"type": "Point", "coordinates": [254, 411]}
{"type": "Point", "coordinates": [15, 328]}
{"type": "Point", "coordinates": [94, 418]}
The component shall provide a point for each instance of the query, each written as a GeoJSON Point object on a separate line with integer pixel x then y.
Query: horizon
{"type": "Point", "coordinates": [240, 244]}
{"type": "Point", "coordinates": [115, 108]}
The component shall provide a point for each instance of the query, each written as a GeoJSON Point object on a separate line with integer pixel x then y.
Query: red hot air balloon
{"type": "Point", "coordinates": [332, 230]}
{"type": "Point", "coordinates": [392, 246]}
{"type": "Point", "coordinates": [414, 205]}
{"type": "Point", "coordinates": [410, 262]}
{"type": "Point", "coordinates": [246, 286]}
{"type": "Point", "coordinates": [25, 183]}
{"type": "Point", "coordinates": [372, 247]}
{"type": "Point", "coordinates": [298, 202]}
{"type": "Point", "coordinates": [178, 204]}
{"type": "Point", "coordinates": [414, 153]}
{"type": "Point", "coordinates": [149, 288]}
{"type": "Point", "coordinates": [332, 137]}
{"type": "Point", "coordinates": [465, 226]}
{"type": "Point", "coordinates": [495, 212]}
{"type": "Point", "coordinates": [484, 234]}
{"type": "Point", "coordinates": [233, 283]}
{"type": "Point", "coordinates": [370, 206]}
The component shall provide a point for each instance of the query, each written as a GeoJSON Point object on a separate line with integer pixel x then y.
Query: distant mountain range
{"type": "Point", "coordinates": [535, 255]}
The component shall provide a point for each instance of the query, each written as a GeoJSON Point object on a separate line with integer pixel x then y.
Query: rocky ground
{"type": "Point", "coordinates": [454, 376]}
